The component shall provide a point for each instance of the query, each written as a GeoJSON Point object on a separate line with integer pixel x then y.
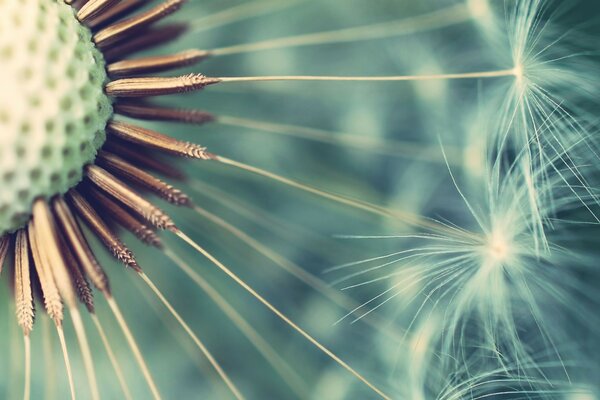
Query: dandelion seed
{"type": "Point", "coordinates": [540, 110]}
{"type": "Point", "coordinates": [491, 294]}
{"type": "Point", "coordinates": [75, 77]}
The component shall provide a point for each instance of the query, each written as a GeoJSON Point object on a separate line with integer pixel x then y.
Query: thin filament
{"type": "Point", "coordinates": [239, 13]}
{"type": "Point", "coordinates": [295, 270]}
{"type": "Point", "coordinates": [278, 313]}
{"type": "Point", "coordinates": [406, 149]}
{"type": "Point", "coordinates": [392, 78]}
{"type": "Point", "coordinates": [85, 352]}
{"type": "Point", "coordinates": [194, 337]}
{"type": "Point", "coordinates": [49, 376]}
{"type": "Point", "coordinates": [63, 346]}
{"type": "Point", "coordinates": [27, 389]}
{"type": "Point", "coordinates": [407, 218]}
{"type": "Point", "coordinates": [13, 346]}
{"type": "Point", "coordinates": [263, 347]}
{"type": "Point", "coordinates": [112, 357]}
{"type": "Point", "coordinates": [134, 347]}
{"type": "Point", "coordinates": [284, 229]}
{"type": "Point", "coordinates": [435, 20]}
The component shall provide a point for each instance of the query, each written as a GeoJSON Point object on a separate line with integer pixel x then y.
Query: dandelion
{"type": "Point", "coordinates": [475, 376]}
{"type": "Point", "coordinates": [492, 302]}
{"type": "Point", "coordinates": [492, 287]}
{"type": "Point", "coordinates": [492, 261]}
{"type": "Point", "coordinates": [541, 110]}
{"type": "Point", "coordinates": [79, 163]}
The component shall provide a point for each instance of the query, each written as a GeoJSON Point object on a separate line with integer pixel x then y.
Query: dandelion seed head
{"type": "Point", "coordinates": [53, 122]}
{"type": "Point", "coordinates": [520, 78]}
{"type": "Point", "coordinates": [480, 283]}
{"type": "Point", "coordinates": [539, 114]}
{"type": "Point", "coordinates": [498, 247]}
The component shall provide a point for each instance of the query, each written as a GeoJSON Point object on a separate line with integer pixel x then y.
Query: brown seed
{"type": "Point", "coordinates": [49, 246]}
{"type": "Point", "coordinates": [114, 33]}
{"type": "Point", "coordinates": [141, 110]}
{"type": "Point", "coordinates": [155, 64]}
{"type": "Point", "coordinates": [115, 12]}
{"type": "Point", "coordinates": [142, 159]}
{"type": "Point", "coordinates": [124, 218]}
{"type": "Point", "coordinates": [145, 39]}
{"type": "Point", "coordinates": [23, 293]}
{"type": "Point", "coordinates": [80, 283]}
{"type": "Point", "coordinates": [52, 300]}
{"type": "Point", "coordinates": [158, 141]}
{"type": "Point", "coordinates": [131, 173]}
{"type": "Point", "coordinates": [78, 244]}
{"type": "Point", "coordinates": [158, 86]}
{"type": "Point", "coordinates": [110, 240]}
{"type": "Point", "coordinates": [93, 8]}
{"type": "Point", "coordinates": [4, 243]}
{"type": "Point", "coordinates": [120, 191]}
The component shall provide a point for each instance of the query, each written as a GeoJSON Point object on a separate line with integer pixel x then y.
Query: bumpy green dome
{"type": "Point", "coordinates": [53, 110]}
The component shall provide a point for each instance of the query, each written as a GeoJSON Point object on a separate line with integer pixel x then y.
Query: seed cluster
{"type": "Point", "coordinates": [53, 110]}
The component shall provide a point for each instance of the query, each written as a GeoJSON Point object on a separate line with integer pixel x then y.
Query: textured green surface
{"type": "Point", "coordinates": [52, 109]}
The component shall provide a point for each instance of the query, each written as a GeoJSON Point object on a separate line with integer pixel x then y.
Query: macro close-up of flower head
{"type": "Point", "coordinates": [299, 199]}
